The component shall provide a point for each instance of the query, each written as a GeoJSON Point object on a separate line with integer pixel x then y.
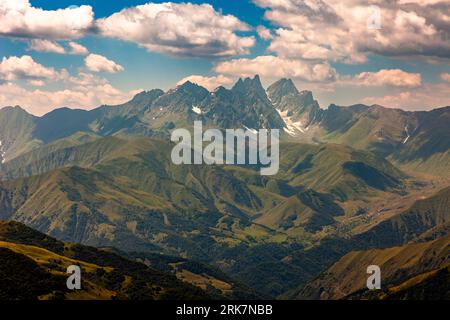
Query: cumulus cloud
{"type": "Point", "coordinates": [18, 18]}
{"type": "Point", "coordinates": [426, 97]}
{"type": "Point", "coordinates": [181, 29]}
{"type": "Point", "coordinates": [264, 33]}
{"type": "Point", "coordinates": [87, 92]}
{"type": "Point", "coordinates": [98, 63]}
{"type": "Point", "coordinates": [276, 67]}
{"type": "Point", "coordinates": [388, 77]}
{"type": "Point", "coordinates": [77, 49]}
{"type": "Point", "coordinates": [422, 2]}
{"type": "Point", "coordinates": [37, 83]}
{"type": "Point", "coordinates": [209, 83]}
{"type": "Point", "coordinates": [25, 68]}
{"type": "Point", "coordinates": [445, 76]}
{"type": "Point", "coordinates": [338, 30]}
{"type": "Point", "coordinates": [42, 45]}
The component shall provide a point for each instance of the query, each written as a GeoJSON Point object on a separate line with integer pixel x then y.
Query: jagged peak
{"type": "Point", "coordinates": [221, 90]}
{"type": "Point", "coordinates": [145, 95]}
{"type": "Point", "coordinates": [307, 96]}
{"type": "Point", "coordinates": [280, 89]}
{"type": "Point", "coordinates": [17, 109]}
{"type": "Point", "coordinates": [248, 84]}
{"type": "Point", "coordinates": [284, 85]}
{"type": "Point", "coordinates": [189, 87]}
{"type": "Point", "coordinates": [306, 93]}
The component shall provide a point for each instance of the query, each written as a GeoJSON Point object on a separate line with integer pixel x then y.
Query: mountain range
{"type": "Point", "coordinates": [414, 139]}
{"type": "Point", "coordinates": [351, 178]}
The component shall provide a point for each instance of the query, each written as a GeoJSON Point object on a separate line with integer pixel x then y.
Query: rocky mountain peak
{"type": "Point", "coordinates": [249, 84]}
{"type": "Point", "coordinates": [307, 97]}
{"type": "Point", "coordinates": [281, 88]}
{"type": "Point", "coordinates": [145, 96]}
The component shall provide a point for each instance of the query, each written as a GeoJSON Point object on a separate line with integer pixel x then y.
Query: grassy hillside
{"type": "Point", "coordinates": [38, 263]}
{"type": "Point", "coordinates": [417, 141]}
{"type": "Point", "coordinates": [423, 219]}
{"type": "Point", "coordinates": [432, 285]}
{"type": "Point", "coordinates": [106, 274]}
{"type": "Point", "coordinates": [16, 132]}
{"type": "Point", "coordinates": [401, 269]}
{"type": "Point", "coordinates": [127, 193]}
{"type": "Point", "coordinates": [428, 149]}
{"type": "Point", "coordinates": [369, 128]}
{"type": "Point", "coordinates": [342, 171]}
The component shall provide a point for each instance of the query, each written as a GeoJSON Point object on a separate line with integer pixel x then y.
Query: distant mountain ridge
{"type": "Point", "coordinates": [417, 140]}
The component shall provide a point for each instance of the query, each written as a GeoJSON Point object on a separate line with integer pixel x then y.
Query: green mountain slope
{"type": "Point", "coordinates": [428, 148]}
{"type": "Point", "coordinates": [127, 193]}
{"type": "Point", "coordinates": [423, 219]}
{"type": "Point", "coordinates": [144, 165]}
{"type": "Point", "coordinates": [307, 209]}
{"type": "Point", "coordinates": [431, 285]}
{"type": "Point", "coordinates": [401, 268]}
{"type": "Point", "coordinates": [339, 170]}
{"type": "Point", "coordinates": [32, 266]}
{"type": "Point", "coordinates": [16, 132]}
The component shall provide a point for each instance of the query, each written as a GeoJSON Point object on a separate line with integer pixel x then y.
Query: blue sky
{"type": "Point", "coordinates": [147, 69]}
{"type": "Point", "coordinates": [323, 46]}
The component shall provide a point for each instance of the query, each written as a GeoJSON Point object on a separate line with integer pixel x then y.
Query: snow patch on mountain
{"type": "Point", "coordinates": [407, 135]}
{"type": "Point", "coordinates": [269, 98]}
{"type": "Point", "coordinates": [292, 128]}
{"type": "Point", "coordinates": [2, 152]}
{"type": "Point", "coordinates": [254, 131]}
{"type": "Point", "coordinates": [197, 110]}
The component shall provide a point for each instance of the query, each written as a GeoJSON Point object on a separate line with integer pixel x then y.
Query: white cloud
{"type": "Point", "coordinates": [18, 18]}
{"type": "Point", "coordinates": [78, 49]}
{"type": "Point", "coordinates": [335, 30]}
{"type": "Point", "coordinates": [209, 83]}
{"type": "Point", "coordinates": [181, 29]}
{"type": "Point", "coordinates": [388, 77]}
{"type": "Point", "coordinates": [426, 97]}
{"type": "Point", "coordinates": [17, 68]}
{"type": "Point", "coordinates": [422, 2]}
{"type": "Point", "coordinates": [37, 83]}
{"type": "Point", "coordinates": [98, 63]}
{"type": "Point", "coordinates": [445, 76]}
{"type": "Point", "coordinates": [42, 45]}
{"type": "Point", "coordinates": [86, 92]}
{"type": "Point", "coordinates": [273, 67]}
{"type": "Point", "coordinates": [264, 33]}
